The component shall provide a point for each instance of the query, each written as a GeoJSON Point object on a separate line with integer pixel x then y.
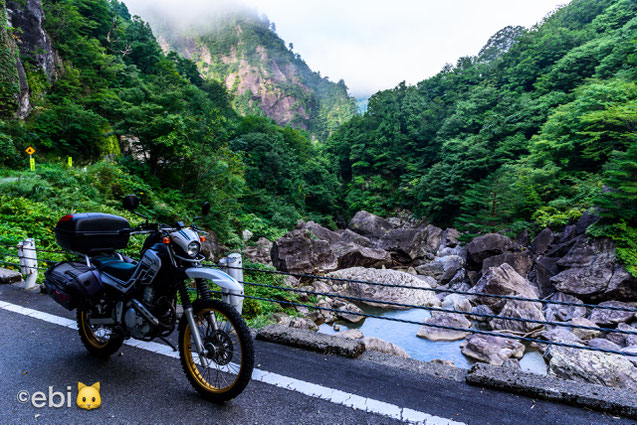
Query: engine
{"type": "Point", "coordinates": [138, 326]}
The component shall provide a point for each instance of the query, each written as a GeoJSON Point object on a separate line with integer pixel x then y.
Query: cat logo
{"type": "Point", "coordinates": [88, 397]}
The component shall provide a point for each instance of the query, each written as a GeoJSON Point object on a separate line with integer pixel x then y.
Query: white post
{"type": "Point", "coordinates": [28, 263]}
{"type": "Point", "coordinates": [232, 265]}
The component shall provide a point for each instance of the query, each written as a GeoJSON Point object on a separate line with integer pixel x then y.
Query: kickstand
{"type": "Point", "coordinates": [168, 342]}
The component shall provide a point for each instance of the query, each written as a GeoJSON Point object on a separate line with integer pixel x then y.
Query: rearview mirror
{"type": "Point", "coordinates": [205, 209]}
{"type": "Point", "coordinates": [130, 202]}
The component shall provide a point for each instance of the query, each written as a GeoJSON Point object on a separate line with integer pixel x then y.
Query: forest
{"type": "Point", "coordinates": [538, 128]}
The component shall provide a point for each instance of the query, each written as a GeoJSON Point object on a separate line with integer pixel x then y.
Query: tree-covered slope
{"type": "Point", "coordinates": [265, 77]}
{"type": "Point", "coordinates": [530, 137]}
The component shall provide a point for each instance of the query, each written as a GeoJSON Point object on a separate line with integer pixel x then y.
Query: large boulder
{"type": "Point", "coordinates": [377, 344]}
{"type": "Point", "coordinates": [491, 349]}
{"type": "Point", "coordinates": [369, 225]}
{"type": "Point", "coordinates": [607, 317]}
{"type": "Point", "coordinates": [592, 272]}
{"type": "Point", "coordinates": [442, 269]}
{"type": "Point", "coordinates": [519, 310]}
{"type": "Point", "coordinates": [520, 261]}
{"type": "Point", "coordinates": [612, 370]}
{"type": "Point", "coordinates": [352, 255]}
{"type": "Point", "coordinates": [542, 241]}
{"type": "Point", "coordinates": [584, 334]}
{"type": "Point", "coordinates": [407, 245]}
{"type": "Point", "coordinates": [545, 269]}
{"type": "Point", "coordinates": [502, 280]}
{"type": "Point", "coordinates": [418, 297]}
{"type": "Point", "coordinates": [456, 302]}
{"type": "Point", "coordinates": [347, 236]}
{"type": "Point", "coordinates": [434, 333]}
{"type": "Point", "coordinates": [563, 313]}
{"type": "Point", "coordinates": [487, 246]}
{"type": "Point", "coordinates": [260, 252]}
{"type": "Point", "coordinates": [299, 252]}
{"type": "Point", "coordinates": [9, 276]}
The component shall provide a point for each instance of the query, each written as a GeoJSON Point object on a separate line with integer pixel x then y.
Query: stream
{"type": "Point", "coordinates": [404, 335]}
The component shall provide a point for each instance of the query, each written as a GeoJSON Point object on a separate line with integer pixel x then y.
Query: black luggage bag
{"type": "Point", "coordinates": [73, 284]}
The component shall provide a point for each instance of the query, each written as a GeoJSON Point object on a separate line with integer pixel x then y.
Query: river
{"type": "Point", "coordinates": [404, 335]}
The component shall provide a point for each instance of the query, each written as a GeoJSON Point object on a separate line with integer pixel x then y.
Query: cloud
{"type": "Point", "coordinates": [371, 44]}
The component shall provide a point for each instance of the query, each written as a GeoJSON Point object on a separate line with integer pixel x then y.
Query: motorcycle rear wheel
{"type": "Point", "coordinates": [230, 351]}
{"type": "Point", "coordinates": [95, 339]}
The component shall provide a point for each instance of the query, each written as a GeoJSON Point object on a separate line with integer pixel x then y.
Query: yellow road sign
{"type": "Point", "coordinates": [32, 163]}
{"type": "Point", "coordinates": [70, 162]}
{"type": "Point", "coordinates": [30, 150]}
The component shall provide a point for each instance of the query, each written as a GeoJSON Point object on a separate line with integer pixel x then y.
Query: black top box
{"type": "Point", "coordinates": [90, 233]}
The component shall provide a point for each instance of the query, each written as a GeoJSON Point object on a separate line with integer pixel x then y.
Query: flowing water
{"type": "Point", "coordinates": [404, 335]}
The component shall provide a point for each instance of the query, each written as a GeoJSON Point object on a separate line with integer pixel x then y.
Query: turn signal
{"type": "Point", "coordinates": [202, 238]}
{"type": "Point", "coordinates": [166, 240]}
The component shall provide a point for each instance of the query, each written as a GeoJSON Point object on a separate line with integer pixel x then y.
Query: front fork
{"type": "Point", "coordinates": [204, 293]}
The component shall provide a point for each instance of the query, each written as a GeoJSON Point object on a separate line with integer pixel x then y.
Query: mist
{"type": "Point", "coordinates": [370, 44]}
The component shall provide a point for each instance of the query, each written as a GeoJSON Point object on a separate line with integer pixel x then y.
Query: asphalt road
{"type": "Point", "coordinates": [138, 386]}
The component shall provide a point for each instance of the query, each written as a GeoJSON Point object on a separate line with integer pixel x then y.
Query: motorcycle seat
{"type": "Point", "coordinates": [115, 267]}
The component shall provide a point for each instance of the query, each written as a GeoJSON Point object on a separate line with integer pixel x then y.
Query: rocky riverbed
{"type": "Point", "coordinates": [562, 266]}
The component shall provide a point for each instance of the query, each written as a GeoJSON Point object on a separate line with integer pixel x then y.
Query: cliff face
{"type": "Point", "coordinates": [264, 76]}
{"type": "Point", "coordinates": [26, 49]}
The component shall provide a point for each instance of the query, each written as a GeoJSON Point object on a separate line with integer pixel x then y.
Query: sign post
{"type": "Point", "coordinates": [70, 162]}
{"type": "Point", "coordinates": [31, 151]}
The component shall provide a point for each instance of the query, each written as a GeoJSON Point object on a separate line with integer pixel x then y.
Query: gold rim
{"type": "Point", "coordinates": [214, 372]}
{"type": "Point", "coordinates": [88, 332]}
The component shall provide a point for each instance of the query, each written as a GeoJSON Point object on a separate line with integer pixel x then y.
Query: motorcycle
{"type": "Point", "coordinates": [118, 298]}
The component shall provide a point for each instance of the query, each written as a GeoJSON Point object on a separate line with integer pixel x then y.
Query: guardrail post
{"type": "Point", "coordinates": [28, 262]}
{"type": "Point", "coordinates": [233, 264]}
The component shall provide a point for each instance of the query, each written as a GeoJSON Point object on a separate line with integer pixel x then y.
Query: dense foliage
{"type": "Point", "coordinates": [538, 128]}
{"type": "Point", "coordinates": [164, 128]}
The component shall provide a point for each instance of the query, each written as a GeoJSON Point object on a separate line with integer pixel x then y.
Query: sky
{"type": "Point", "coordinates": [375, 44]}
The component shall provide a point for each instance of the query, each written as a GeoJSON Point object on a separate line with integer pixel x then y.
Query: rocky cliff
{"type": "Point", "coordinates": [263, 74]}
{"type": "Point", "coordinates": [25, 54]}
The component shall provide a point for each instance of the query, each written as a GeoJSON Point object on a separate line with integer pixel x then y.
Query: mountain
{"type": "Point", "coordinates": [264, 76]}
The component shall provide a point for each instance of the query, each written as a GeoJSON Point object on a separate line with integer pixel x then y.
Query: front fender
{"type": "Point", "coordinates": [218, 277]}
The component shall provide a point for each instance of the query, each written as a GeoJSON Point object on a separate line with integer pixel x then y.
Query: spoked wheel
{"type": "Point", "coordinates": [100, 341]}
{"type": "Point", "coordinates": [225, 370]}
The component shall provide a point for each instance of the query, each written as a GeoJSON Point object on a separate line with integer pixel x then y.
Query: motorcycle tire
{"type": "Point", "coordinates": [230, 351]}
{"type": "Point", "coordinates": [96, 345]}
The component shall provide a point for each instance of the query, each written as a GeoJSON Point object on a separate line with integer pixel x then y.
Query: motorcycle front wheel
{"type": "Point", "coordinates": [226, 369]}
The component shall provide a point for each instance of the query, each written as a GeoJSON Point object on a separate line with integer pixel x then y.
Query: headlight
{"type": "Point", "coordinates": [193, 249]}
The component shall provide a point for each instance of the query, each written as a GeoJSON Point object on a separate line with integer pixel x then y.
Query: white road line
{"type": "Point", "coordinates": [307, 388]}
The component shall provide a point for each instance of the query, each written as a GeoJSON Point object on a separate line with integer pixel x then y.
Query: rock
{"type": "Point", "coordinates": [348, 236]}
{"type": "Point", "coordinates": [449, 238]}
{"type": "Point", "coordinates": [443, 362]}
{"type": "Point", "coordinates": [584, 334]}
{"type": "Point", "coordinates": [592, 272]}
{"type": "Point", "coordinates": [545, 268]}
{"type": "Point", "coordinates": [210, 248]}
{"type": "Point", "coordinates": [407, 245]}
{"type": "Point", "coordinates": [586, 220]}
{"type": "Point", "coordinates": [519, 310]}
{"type": "Point", "coordinates": [560, 334]}
{"type": "Point", "coordinates": [523, 238]}
{"type": "Point", "coordinates": [9, 276]}
{"type": "Point", "coordinates": [623, 339]}
{"type": "Point", "coordinates": [260, 253]}
{"type": "Point", "coordinates": [336, 327]}
{"type": "Point", "coordinates": [369, 225]}
{"type": "Point", "coordinates": [319, 232]}
{"type": "Point", "coordinates": [377, 344]}
{"type": "Point", "coordinates": [246, 235]}
{"type": "Point", "coordinates": [491, 349]}
{"type": "Point", "coordinates": [502, 280]}
{"type": "Point", "coordinates": [339, 304]}
{"type": "Point", "coordinates": [456, 302]}
{"type": "Point", "coordinates": [351, 255]}
{"type": "Point", "coordinates": [442, 268]}
{"type": "Point", "coordinates": [297, 322]}
{"type": "Point", "coordinates": [562, 248]}
{"type": "Point", "coordinates": [542, 241]}
{"type": "Point", "coordinates": [631, 350]}
{"type": "Point", "coordinates": [350, 334]}
{"type": "Point", "coordinates": [520, 261]}
{"type": "Point", "coordinates": [563, 313]}
{"type": "Point", "coordinates": [303, 310]}
{"type": "Point", "coordinates": [418, 297]}
{"type": "Point", "coordinates": [512, 364]}
{"type": "Point", "coordinates": [606, 317]}
{"type": "Point", "coordinates": [299, 252]}
{"type": "Point", "coordinates": [612, 370]}
{"type": "Point", "coordinates": [630, 340]}
{"type": "Point", "coordinates": [444, 319]}
{"type": "Point", "coordinates": [487, 246]}
{"type": "Point", "coordinates": [460, 251]}
{"type": "Point", "coordinates": [604, 344]}
{"type": "Point", "coordinates": [481, 309]}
